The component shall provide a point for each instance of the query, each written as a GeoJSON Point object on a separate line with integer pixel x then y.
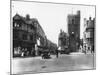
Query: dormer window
{"type": "Point", "coordinates": [16, 25]}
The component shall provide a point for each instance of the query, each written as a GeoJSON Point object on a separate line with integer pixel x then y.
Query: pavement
{"type": "Point", "coordinates": [74, 61]}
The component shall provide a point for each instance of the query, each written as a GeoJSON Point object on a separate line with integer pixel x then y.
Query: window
{"type": "Point", "coordinates": [72, 21]}
{"type": "Point", "coordinates": [31, 27]}
{"type": "Point", "coordinates": [24, 37]}
{"type": "Point", "coordinates": [31, 37]}
{"type": "Point", "coordinates": [88, 48]}
{"type": "Point", "coordinates": [15, 35]}
{"type": "Point", "coordinates": [17, 25]}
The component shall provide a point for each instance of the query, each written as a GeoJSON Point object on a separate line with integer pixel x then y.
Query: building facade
{"type": "Point", "coordinates": [74, 31]}
{"type": "Point", "coordinates": [28, 36]}
{"type": "Point", "coordinates": [88, 40]}
{"type": "Point", "coordinates": [24, 33]}
{"type": "Point", "coordinates": [63, 41]}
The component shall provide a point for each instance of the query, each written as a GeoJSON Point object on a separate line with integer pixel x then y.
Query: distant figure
{"type": "Point", "coordinates": [92, 49]}
{"type": "Point", "coordinates": [57, 53]}
{"type": "Point", "coordinates": [22, 54]}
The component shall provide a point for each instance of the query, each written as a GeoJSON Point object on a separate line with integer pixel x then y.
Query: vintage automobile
{"type": "Point", "coordinates": [45, 54]}
{"type": "Point", "coordinates": [65, 51]}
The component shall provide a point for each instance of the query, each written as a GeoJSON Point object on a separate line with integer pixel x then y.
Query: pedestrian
{"type": "Point", "coordinates": [22, 53]}
{"type": "Point", "coordinates": [56, 53]}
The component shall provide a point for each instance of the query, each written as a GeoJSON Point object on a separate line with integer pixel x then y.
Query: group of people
{"type": "Point", "coordinates": [87, 49]}
{"type": "Point", "coordinates": [22, 52]}
{"type": "Point", "coordinates": [18, 51]}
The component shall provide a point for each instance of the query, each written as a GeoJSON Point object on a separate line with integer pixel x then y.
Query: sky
{"type": "Point", "coordinates": [52, 17]}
